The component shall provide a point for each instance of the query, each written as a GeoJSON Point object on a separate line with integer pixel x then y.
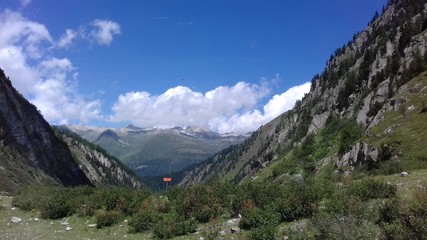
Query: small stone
{"type": "Point", "coordinates": [125, 221]}
{"type": "Point", "coordinates": [16, 220]}
{"type": "Point", "coordinates": [14, 208]}
{"type": "Point", "coordinates": [68, 228]}
{"type": "Point", "coordinates": [235, 230]}
{"type": "Point", "coordinates": [92, 225]}
{"type": "Point", "coordinates": [404, 174]}
{"type": "Point", "coordinates": [36, 219]}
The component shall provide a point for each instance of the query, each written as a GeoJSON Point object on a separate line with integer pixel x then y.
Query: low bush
{"type": "Point", "coordinates": [31, 197]}
{"type": "Point", "coordinates": [335, 226]}
{"type": "Point", "coordinates": [300, 200]}
{"type": "Point", "coordinates": [257, 218]}
{"type": "Point", "coordinates": [143, 220]}
{"type": "Point", "coordinates": [171, 225]}
{"type": "Point", "coordinates": [263, 233]}
{"type": "Point", "coordinates": [411, 223]}
{"type": "Point", "coordinates": [390, 167]}
{"type": "Point", "coordinates": [56, 206]}
{"type": "Point", "coordinates": [107, 218]}
{"type": "Point", "coordinates": [371, 188]}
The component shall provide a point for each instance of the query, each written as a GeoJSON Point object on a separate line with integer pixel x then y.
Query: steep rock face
{"type": "Point", "coordinates": [357, 85]}
{"type": "Point", "coordinates": [25, 133]}
{"type": "Point", "coordinates": [101, 168]}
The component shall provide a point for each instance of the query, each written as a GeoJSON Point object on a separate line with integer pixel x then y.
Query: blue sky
{"type": "Point", "coordinates": [227, 65]}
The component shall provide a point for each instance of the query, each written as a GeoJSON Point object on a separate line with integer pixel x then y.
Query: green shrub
{"type": "Point", "coordinates": [390, 167]}
{"type": "Point", "coordinates": [411, 222]}
{"type": "Point", "coordinates": [388, 211]}
{"type": "Point", "coordinates": [341, 203]}
{"type": "Point", "coordinates": [256, 218]}
{"type": "Point", "coordinates": [200, 202]}
{"type": "Point", "coordinates": [371, 188]}
{"type": "Point", "coordinates": [263, 233]}
{"type": "Point", "coordinates": [301, 200]}
{"type": "Point", "coordinates": [31, 197]}
{"type": "Point", "coordinates": [300, 230]}
{"type": "Point", "coordinates": [107, 218]}
{"type": "Point", "coordinates": [85, 207]}
{"type": "Point", "coordinates": [56, 206]}
{"type": "Point", "coordinates": [335, 226]}
{"type": "Point", "coordinates": [143, 220]}
{"type": "Point", "coordinates": [171, 225]}
{"type": "Point", "coordinates": [211, 231]}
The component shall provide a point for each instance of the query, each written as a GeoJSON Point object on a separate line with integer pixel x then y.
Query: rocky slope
{"type": "Point", "coordinates": [29, 150]}
{"type": "Point", "coordinates": [332, 127]}
{"type": "Point", "coordinates": [32, 152]}
{"type": "Point", "coordinates": [155, 151]}
{"type": "Point", "coordinates": [101, 168]}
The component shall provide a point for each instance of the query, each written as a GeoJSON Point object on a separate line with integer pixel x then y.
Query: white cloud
{"type": "Point", "coordinates": [25, 2]}
{"type": "Point", "coordinates": [250, 120]}
{"type": "Point", "coordinates": [67, 38]}
{"type": "Point", "coordinates": [41, 78]}
{"type": "Point", "coordinates": [104, 31]}
{"type": "Point", "coordinates": [98, 31]}
{"type": "Point", "coordinates": [285, 101]}
{"type": "Point", "coordinates": [15, 30]}
{"type": "Point", "coordinates": [224, 109]}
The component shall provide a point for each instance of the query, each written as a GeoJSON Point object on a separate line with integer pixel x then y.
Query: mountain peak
{"type": "Point", "coordinates": [133, 127]}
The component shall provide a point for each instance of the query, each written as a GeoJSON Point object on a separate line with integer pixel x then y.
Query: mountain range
{"type": "Point", "coordinates": [157, 151]}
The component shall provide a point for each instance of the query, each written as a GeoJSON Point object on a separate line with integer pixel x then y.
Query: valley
{"type": "Point", "coordinates": [348, 161]}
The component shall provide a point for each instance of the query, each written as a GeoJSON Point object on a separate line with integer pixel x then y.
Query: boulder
{"type": "Point", "coordinates": [404, 174]}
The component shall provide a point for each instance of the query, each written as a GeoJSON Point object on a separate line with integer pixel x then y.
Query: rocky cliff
{"type": "Point", "coordinates": [100, 167]}
{"type": "Point", "coordinates": [33, 152]}
{"type": "Point", "coordinates": [334, 123]}
{"type": "Point", "coordinates": [29, 150]}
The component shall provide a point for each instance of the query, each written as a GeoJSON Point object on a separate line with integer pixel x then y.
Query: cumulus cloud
{"type": "Point", "coordinates": [41, 78]}
{"type": "Point", "coordinates": [223, 109]}
{"type": "Point", "coordinates": [104, 31]}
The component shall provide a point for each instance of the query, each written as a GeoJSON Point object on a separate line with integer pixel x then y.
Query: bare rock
{"type": "Point", "coordinates": [318, 122]}
{"type": "Point", "coordinates": [16, 220]}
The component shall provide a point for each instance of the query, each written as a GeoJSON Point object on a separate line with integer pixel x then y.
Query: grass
{"type": "Point", "coordinates": [406, 185]}
{"type": "Point", "coordinates": [405, 128]}
{"type": "Point", "coordinates": [33, 227]}
{"type": "Point", "coordinates": [29, 228]}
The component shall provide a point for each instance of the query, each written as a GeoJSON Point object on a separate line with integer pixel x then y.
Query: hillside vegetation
{"type": "Point", "coordinates": [364, 113]}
